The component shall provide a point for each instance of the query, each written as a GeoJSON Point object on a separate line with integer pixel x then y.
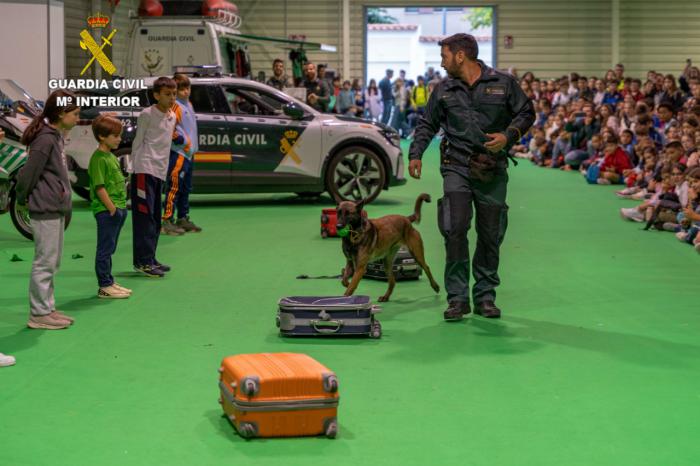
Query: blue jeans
{"type": "Point", "coordinates": [386, 112]}
{"type": "Point", "coordinates": [575, 157]}
{"type": "Point", "coordinates": [108, 229]}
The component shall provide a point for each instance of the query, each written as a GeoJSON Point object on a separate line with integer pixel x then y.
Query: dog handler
{"type": "Point", "coordinates": [482, 112]}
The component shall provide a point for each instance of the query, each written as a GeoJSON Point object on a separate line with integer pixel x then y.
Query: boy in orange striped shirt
{"type": "Point", "coordinates": [179, 181]}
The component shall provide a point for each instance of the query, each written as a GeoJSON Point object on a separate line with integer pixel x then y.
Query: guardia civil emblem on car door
{"type": "Point", "coordinates": [287, 145]}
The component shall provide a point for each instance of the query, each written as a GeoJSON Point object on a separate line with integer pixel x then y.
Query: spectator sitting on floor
{"type": "Point", "coordinates": [664, 118]}
{"type": "Point", "coordinates": [562, 96]}
{"type": "Point", "coordinates": [614, 162]}
{"type": "Point", "coordinates": [611, 97]}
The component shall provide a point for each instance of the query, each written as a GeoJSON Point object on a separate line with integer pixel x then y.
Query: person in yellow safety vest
{"type": "Point", "coordinates": [419, 100]}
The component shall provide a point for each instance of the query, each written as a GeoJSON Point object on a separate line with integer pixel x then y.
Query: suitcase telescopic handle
{"type": "Point", "coordinates": [327, 326]}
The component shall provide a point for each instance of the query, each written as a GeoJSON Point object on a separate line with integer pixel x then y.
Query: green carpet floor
{"type": "Point", "coordinates": [596, 361]}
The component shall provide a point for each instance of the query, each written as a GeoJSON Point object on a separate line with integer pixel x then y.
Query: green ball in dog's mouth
{"type": "Point", "coordinates": [343, 232]}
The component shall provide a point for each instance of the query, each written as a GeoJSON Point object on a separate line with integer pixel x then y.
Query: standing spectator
{"type": "Point", "coordinates": [387, 94]}
{"type": "Point", "coordinates": [430, 74]}
{"type": "Point", "coordinates": [373, 101]}
{"type": "Point", "coordinates": [401, 101]}
{"type": "Point", "coordinates": [359, 98]}
{"type": "Point", "coordinates": [5, 360]}
{"type": "Point", "coordinates": [43, 183]}
{"type": "Point", "coordinates": [108, 203]}
{"type": "Point", "coordinates": [317, 91]}
{"type": "Point", "coordinates": [419, 100]}
{"type": "Point", "coordinates": [179, 183]}
{"type": "Point", "coordinates": [155, 134]}
{"type": "Point", "coordinates": [279, 79]}
{"type": "Point", "coordinates": [346, 100]}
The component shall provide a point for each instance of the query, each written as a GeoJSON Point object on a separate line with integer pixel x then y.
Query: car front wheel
{"type": "Point", "coordinates": [355, 173]}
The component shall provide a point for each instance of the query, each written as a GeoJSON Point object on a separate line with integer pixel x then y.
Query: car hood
{"type": "Point", "coordinates": [364, 121]}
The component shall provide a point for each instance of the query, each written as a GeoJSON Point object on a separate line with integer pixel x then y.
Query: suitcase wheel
{"type": "Point", "coordinates": [250, 386]}
{"type": "Point", "coordinates": [375, 330]}
{"type": "Point", "coordinates": [331, 428]}
{"type": "Point", "coordinates": [247, 429]}
{"type": "Point", "coordinates": [330, 383]}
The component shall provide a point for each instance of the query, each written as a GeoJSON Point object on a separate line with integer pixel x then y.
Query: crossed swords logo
{"type": "Point", "coordinates": [88, 43]}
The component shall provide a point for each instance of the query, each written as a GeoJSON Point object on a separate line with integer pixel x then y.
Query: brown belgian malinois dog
{"type": "Point", "coordinates": [371, 239]}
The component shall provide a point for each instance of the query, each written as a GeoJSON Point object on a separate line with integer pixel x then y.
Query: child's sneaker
{"type": "Point", "coordinates": [111, 292]}
{"type": "Point", "coordinates": [150, 271]}
{"type": "Point", "coordinates": [47, 322]}
{"type": "Point", "coordinates": [639, 196]}
{"type": "Point", "coordinates": [169, 228]}
{"type": "Point", "coordinates": [682, 236]}
{"type": "Point", "coordinates": [631, 213]}
{"type": "Point", "coordinates": [119, 287]}
{"type": "Point", "coordinates": [187, 225]}
{"type": "Point", "coordinates": [6, 360]}
{"type": "Point", "coordinates": [603, 181]}
{"type": "Point", "coordinates": [61, 316]}
{"type": "Point", "coordinates": [162, 267]}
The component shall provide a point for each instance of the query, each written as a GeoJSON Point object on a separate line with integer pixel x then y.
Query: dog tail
{"type": "Point", "coordinates": [415, 216]}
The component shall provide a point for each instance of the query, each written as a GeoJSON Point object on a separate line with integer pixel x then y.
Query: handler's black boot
{"type": "Point", "coordinates": [456, 311]}
{"type": "Point", "coordinates": [487, 309]}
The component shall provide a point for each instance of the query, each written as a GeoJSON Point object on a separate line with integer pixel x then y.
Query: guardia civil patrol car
{"type": "Point", "coordinates": [256, 139]}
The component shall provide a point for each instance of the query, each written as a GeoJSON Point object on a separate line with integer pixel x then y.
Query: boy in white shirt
{"type": "Point", "coordinates": [150, 153]}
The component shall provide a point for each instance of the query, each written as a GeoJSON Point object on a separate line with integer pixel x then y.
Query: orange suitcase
{"type": "Point", "coordinates": [279, 395]}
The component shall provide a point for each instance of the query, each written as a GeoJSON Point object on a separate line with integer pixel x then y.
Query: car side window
{"type": "Point", "coordinates": [248, 101]}
{"type": "Point", "coordinates": [208, 99]}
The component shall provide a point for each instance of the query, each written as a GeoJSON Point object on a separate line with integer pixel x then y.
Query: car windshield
{"type": "Point", "coordinates": [13, 97]}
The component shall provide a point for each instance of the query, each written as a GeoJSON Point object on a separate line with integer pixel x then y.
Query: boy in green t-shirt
{"type": "Point", "coordinates": [108, 202]}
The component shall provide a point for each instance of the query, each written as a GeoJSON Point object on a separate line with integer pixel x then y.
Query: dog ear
{"type": "Point", "coordinates": [336, 198]}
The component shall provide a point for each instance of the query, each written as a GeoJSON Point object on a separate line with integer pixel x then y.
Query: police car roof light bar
{"type": "Point", "coordinates": [198, 71]}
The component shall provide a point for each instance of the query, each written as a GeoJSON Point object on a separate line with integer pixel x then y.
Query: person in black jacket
{"type": "Point", "coordinates": [482, 112]}
{"type": "Point", "coordinates": [43, 185]}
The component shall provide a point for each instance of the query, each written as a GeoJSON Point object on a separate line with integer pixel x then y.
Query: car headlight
{"type": "Point", "coordinates": [392, 136]}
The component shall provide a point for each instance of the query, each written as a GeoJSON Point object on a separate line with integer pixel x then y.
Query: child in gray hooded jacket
{"type": "Point", "coordinates": [43, 185]}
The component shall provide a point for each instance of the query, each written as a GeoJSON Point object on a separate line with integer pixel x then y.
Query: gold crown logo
{"type": "Point", "coordinates": [291, 134]}
{"type": "Point", "coordinates": [98, 21]}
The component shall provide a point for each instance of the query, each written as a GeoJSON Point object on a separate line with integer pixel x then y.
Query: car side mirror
{"type": "Point", "coordinates": [293, 111]}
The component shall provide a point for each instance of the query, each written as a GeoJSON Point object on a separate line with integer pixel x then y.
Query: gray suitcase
{"type": "Point", "coordinates": [405, 267]}
{"type": "Point", "coordinates": [328, 316]}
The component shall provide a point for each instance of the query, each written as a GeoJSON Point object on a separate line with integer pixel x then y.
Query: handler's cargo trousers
{"type": "Point", "coordinates": [455, 213]}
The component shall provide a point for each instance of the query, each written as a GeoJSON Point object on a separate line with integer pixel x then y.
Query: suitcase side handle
{"type": "Point", "coordinates": [327, 326]}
